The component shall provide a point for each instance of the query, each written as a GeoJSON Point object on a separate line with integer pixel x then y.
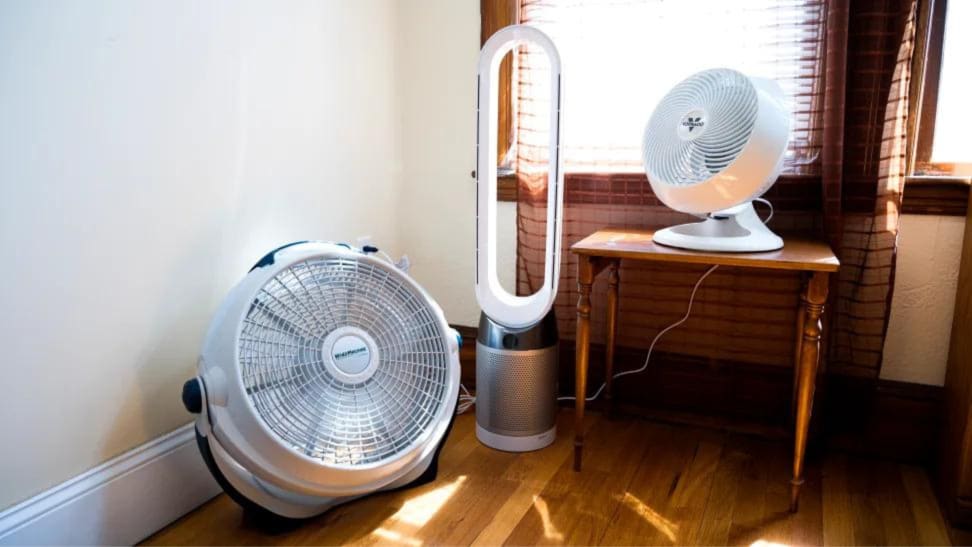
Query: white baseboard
{"type": "Point", "coordinates": [120, 502]}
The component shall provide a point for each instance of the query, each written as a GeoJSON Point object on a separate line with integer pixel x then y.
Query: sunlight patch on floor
{"type": "Point", "coordinates": [415, 513]}
{"type": "Point", "coordinates": [550, 530]}
{"type": "Point", "coordinates": [391, 536]}
{"type": "Point", "coordinates": [764, 543]}
{"type": "Point", "coordinates": [419, 510]}
{"type": "Point", "coordinates": [663, 525]}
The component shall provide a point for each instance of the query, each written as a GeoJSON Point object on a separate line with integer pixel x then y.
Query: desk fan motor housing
{"type": "Point", "coordinates": [715, 143]}
{"type": "Point", "coordinates": [327, 374]}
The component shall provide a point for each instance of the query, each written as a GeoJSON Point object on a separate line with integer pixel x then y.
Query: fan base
{"type": "Point", "coordinates": [736, 230]}
{"type": "Point", "coordinates": [512, 443]}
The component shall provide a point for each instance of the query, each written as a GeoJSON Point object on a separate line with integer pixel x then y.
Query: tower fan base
{"type": "Point", "coordinates": [516, 443]}
{"type": "Point", "coordinates": [736, 230]}
{"type": "Point", "coordinates": [516, 384]}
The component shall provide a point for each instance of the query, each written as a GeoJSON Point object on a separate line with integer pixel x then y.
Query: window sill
{"type": "Point", "coordinates": [936, 195]}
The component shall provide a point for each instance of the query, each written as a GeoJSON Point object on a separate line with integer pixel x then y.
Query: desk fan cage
{"type": "Point", "coordinates": [727, 102]}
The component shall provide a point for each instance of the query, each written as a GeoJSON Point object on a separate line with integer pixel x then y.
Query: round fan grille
{"type": "Point", "coordinates": [700, 127]}
{"type": "Point", "coordinates": [356, 400]}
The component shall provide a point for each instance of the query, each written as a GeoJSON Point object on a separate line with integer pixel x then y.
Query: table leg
{"type": "Point", "coordinates": [612, 327]}
{"type": "Point", "coordinates": [798, 344]}
{"type": "Point", "coordinates": [815, 296]}
{"type": "Point", "coordinates": [585, 278]}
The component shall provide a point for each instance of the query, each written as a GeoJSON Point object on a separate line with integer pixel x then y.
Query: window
{"type": "Point", "coordinates": [943, 144]}
{"type": "Point", "coordinates": [940, 112]}
{"type": "Point", "coordinates": [622, 56]}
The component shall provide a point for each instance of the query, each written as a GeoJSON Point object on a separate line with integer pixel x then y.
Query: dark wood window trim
{"type": "Point", "coordinates": [494, 15]}
{"type": "Point", "coordinates": [925, 71]}
{"type": "Point", "coordinates": [936, 195]}
{"type": "Point", "coordinates": [932, 188]}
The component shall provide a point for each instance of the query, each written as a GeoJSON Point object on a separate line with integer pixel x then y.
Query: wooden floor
{"type": "Point", "coordinates": [643, 483]}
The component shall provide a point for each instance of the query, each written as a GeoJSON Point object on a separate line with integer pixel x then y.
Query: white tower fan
{"type": "Point", "coordinates": [517, 346]}
{"type": "Point", "coordinates": [714, 144]}
{"type": "Point", "coordinates": [327, 374]}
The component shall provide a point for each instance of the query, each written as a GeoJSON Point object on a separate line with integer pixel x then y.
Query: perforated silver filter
{"type": "Point", "coordinates": [700, 127]}
{"type": "Point", "coordinates": [347, 415]}
{"type": "Point", "coordinates": [516, 391]}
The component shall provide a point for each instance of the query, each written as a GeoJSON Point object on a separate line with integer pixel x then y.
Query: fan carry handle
{"type": "Point", "coordinates": [501, 306]}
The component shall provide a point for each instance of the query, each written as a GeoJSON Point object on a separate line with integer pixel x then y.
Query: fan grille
{"type": "Point", "coordinates": [296, 395]}
{"type": "Point", "coordinates": [700, 127]}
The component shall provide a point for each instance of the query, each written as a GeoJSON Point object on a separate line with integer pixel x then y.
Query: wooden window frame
{"type": "Point", "coordinates": [494, 15]}
{"type": "Point", "coordinates": [931, 188]}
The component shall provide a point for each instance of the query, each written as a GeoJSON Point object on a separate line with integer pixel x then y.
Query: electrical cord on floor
{"type": "Point", "coordinates": [658, 336]}
{"type": "Point", "coordinates": [466, 400]}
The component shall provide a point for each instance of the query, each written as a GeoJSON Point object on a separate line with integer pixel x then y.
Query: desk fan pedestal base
{"type": "Point", "coordinates": [736, 230]}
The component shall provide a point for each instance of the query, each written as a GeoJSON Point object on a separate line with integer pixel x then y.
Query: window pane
{"type": "Point", "coordinates": [622, 56]}
{"type": "Point", "coordinates": [953, 141]}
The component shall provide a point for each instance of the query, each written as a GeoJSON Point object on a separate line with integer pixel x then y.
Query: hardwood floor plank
{"type": "Point", "coordinates": [642, 483]}
{"type": "Point", "coordinates": [452, 510]}
{"type": "Point", "coordinates": [868, 524]}
{"type": "Point", "coordinates": [717, 516]}
{"type": "Point", "coordinates": [932, 529]}
{"type": "Point", "coordinates": [532, 473]}
{"type": "Point", "coordinates": [779, 525]}
{"type": "Point", "coordinates": [575, 507]}
{"type": "Point", "coordinates": [749, 505]}
{"type": "Point", "coordinates": [838, 508]}
{"type": "Point", "coordinates": [893, 505]}
{"type": "Point", "coordinates": [690, 497]}
{"type": "Point", "coordinates": [666, 499]}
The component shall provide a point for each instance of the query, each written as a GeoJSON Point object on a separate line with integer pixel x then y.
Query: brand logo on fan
{"type": "Point", "coordinates": [350, 352]}
{"type": "Point", "coordinates": [692, 123]}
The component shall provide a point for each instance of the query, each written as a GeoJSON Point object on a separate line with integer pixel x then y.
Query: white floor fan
{"type": "Point", "coordinates": [715, 143]}
{"type": "Point", "coordinates": [327, 374]}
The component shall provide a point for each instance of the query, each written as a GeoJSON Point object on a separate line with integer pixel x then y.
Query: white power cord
{"type": "Point", "coordinates": [767, 203]}
{"type": "Point", "coordinates": [688, 311]}
{"type": "Point", "coordinates": [466, 400]}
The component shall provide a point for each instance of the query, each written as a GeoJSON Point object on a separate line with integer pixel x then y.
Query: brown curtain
{"type": "Point", "coordinates": [613, 66]}
{"type": "Point", "coordinates": [870, 181]}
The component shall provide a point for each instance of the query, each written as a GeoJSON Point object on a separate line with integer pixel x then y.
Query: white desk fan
{"type": "Point", "coordinates": [517, 347]}
{"type": "Point", "coordinates": [715, 143]}
{"type": "Point", "coordinates": [327, 374]}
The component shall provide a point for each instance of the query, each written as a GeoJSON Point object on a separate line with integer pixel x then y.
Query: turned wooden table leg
{"type": "Point", "coordinates": [806, 376]}
{"type": "Point", "coordinates": [798, 343]}
{"type": "Point", "coordinates": [612, 322]}
{"type": "Point", "coordinates": [585, 278]}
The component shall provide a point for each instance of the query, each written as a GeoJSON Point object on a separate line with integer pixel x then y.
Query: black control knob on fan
{"type": "Point", "coordinates": [192, 395]}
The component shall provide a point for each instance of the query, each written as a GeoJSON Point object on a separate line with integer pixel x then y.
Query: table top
{"type": "Point", "coordinates": [797, 253]}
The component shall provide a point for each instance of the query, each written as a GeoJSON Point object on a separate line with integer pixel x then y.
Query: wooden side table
{"type": "Point", "coordinates": [605, 249]}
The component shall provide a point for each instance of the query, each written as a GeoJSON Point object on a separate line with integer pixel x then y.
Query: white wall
{"type": "Point", "coordinates": [150, 152]}
{"type": "Point", "coordinates": [916, 348]}
{"type": "Point", "coordinates": [439, 51]}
